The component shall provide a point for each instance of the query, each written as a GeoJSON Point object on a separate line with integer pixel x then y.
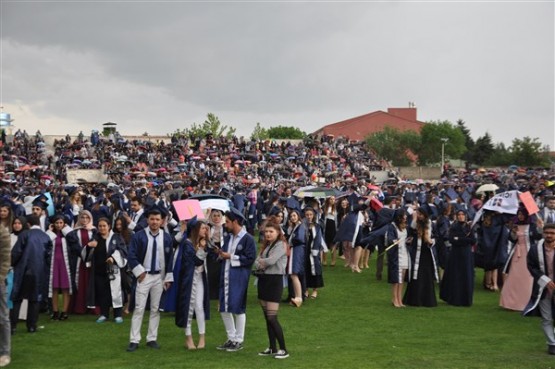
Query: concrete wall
{"type": "Point", "coordinates": [420, 172]}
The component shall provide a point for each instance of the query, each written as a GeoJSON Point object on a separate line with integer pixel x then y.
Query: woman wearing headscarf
{"type": "Point", "coordinates": [457, 284]}
{"type": "Point", "coordinates": [517, 287]}
{"type": "Point", "coordinates": [79, 239]}
{"type": "Point", "coordinates": [424, 274]}
{"type": "Point", "coordinates": [216, 238]}
{"type": "Point", "coordinates": [62, 267]}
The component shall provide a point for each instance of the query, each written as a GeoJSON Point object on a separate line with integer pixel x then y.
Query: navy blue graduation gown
{"type": "Point", "coordinates": [234, 299]}
{"type": "Point", "coordinates": [184, 283]}
{"type": "Point", "coordinates": [457, 285]}
{"type": "Point", "coordinates": [30, 256]}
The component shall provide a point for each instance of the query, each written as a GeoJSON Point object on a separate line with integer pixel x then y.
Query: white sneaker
{"type": "Point", "coordinates": [5, 360]}
{"type": "Point", "coordinates": [281, 354]}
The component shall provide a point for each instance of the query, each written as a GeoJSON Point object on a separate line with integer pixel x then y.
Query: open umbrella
{"type": "Point", "coordinates": [316, 192]}
{"type": "Point", "coordinates": [210, 201]}
{"type": "Point", "coordinates": [488, 187]}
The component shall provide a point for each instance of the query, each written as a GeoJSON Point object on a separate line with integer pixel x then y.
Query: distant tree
{"type": "Point", "coordinates": [501, 156]}
{"type": "Point", "coordinates": [483, 150]}
{"type": "Point", "coordinates": [259, 133]}
{"type": "Point", "coordinates": [528, 152]}
{"type": "Point", "coordinates": [283, 133]}
{"type": "Point", "coordinates": [211, 126]}
{"type": "Point", "coordinates": [468, 142]}
{"type": "Point", "coordinates": [431, 136]}
{"type": "Point", "coordinates": [394, 145]}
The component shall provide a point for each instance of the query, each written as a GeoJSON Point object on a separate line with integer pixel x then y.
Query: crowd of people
{"type": "Point", "coordinates": [111, 247]}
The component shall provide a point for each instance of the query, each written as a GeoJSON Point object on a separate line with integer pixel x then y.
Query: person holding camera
{"type": "Point", "coordinates": [107, 257]}
{"type": "Point", "coordinates": [270, 270]}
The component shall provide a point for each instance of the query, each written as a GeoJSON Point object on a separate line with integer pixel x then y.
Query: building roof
{"type": "Point", "coordinates": [358, 128]}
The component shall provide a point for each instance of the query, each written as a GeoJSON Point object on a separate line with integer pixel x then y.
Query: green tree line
{"type": "Point", "coordinates": [402, 148]}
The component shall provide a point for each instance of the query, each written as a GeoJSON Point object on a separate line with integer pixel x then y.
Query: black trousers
{"type": "Point", "coordinates": [32, 315]}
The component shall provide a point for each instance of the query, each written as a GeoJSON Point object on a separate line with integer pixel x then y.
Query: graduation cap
{"type": "Point", "coordinates": [41, 201]}
{"type": "Point", "coordinates": [155, 210]}
{"type": "Point", "coordinates": [117, 199]}
{"type": "Point", "coordinates": [234, 214]}
{"type": "Point", "coordinates": [292, 203]}
{"type": "Point", "coordinates": [274, 211]}
{"type": "Point", "coordinates": [191, 223]}
{"type": "Point", "coordinates": [452, 194]}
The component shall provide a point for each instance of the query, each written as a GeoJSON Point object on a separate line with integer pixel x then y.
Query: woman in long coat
{"type": "Point", "coordinates": [192, 283]}
{"type": "Point", "coordinates": [457, 285]}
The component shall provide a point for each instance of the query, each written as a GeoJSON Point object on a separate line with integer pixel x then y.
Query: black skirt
{"type": "Point", "coordinates": [270, 287]}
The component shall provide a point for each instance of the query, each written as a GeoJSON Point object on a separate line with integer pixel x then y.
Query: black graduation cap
{"type": "Point", "coordinates": [274, 211]}
{"type": "Point", "coordinates": [155, 209]}
{"type": "Point", "coordinates": [453, 195]}
{"type": "Point", "coordinates": [234, 214]}
{"type": "Point", "coordinates": [41, 201]}
{"type": "Point", "coordinates": [191, 223]}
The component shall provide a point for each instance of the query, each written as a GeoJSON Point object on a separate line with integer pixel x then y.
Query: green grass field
{"type": "Point", "coordinates": [351, 325]}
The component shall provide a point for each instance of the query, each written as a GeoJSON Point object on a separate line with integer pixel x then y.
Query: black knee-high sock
{"type": "Point", "coordinates": [270, 330]}
{"type": "Point", "coordinates": [272, 321]}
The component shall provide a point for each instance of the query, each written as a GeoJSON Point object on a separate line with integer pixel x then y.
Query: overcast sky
{"type": "Point", "coordinates": [159, 66]}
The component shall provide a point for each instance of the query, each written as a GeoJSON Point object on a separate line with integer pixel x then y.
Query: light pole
{"type": "Point", "coordinates": [443, 142]}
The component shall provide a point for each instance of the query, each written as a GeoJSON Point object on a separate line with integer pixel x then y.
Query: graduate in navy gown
{"type": "Point", "coordinates": [296, 234]}
{"type": "Point", "coordinates": [457, 285]}
{"type": "Point", "coordinates": [424, 273]}
{"type": "Point", "coordinates": [192, 283]}
{"type": "Point", "coordinates": [237, 255]}
{"type": "Point", "coordinates": [30, 256]}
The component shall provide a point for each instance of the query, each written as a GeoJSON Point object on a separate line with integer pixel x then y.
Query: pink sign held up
{"type": "Point", "coordinates": [529, 203]}
{"type": "Point", "coordinates": [187, 209]}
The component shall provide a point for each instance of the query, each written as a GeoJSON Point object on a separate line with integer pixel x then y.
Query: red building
{"type": "Point", "coordinates": [358, 128]}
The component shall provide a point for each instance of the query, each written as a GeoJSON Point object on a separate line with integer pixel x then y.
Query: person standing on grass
{"type": "Point", "coordinates": [313, 250]}
{"type": "Point", "coordinates": [192, 283]}
{"type": "Point", "coordinates": [107, 259]}
{"type": "Point", "coordinates": [5, 334]}
{"type": "Point", "coordinates": [457, 284]}
{"type": "Point", "coordinates": [30, 256]}
{"type": "Point", "coordinates": [270, 266]}
{"type": "Point", "coordinates": [541, 264]}
{"type": "Point", "coordinates": [237, 256]}
{"type": "Point", "coordinates": [423, 270]}
{"type": "Point", "coordinates": [150, 261]}
{"type": "Point", "coordinates": [60, 270]}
